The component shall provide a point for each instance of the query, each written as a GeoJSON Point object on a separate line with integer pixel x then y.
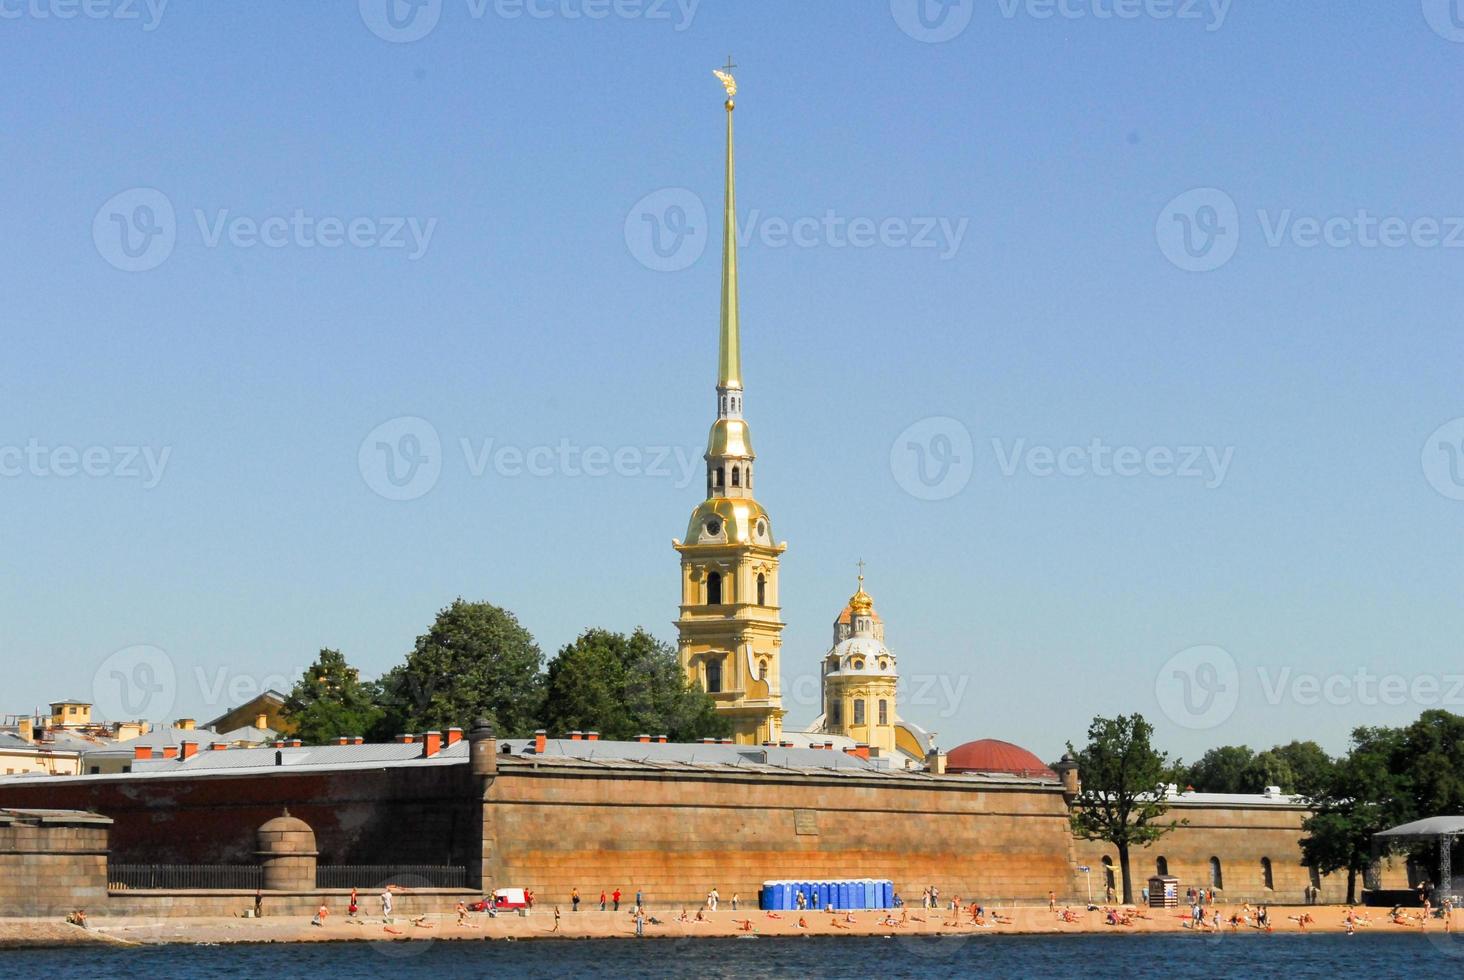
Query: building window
{"type": "Point", "coordinates": [714, 589]}
{"type": "Point", "coordinates": [736, 476]}
{"type": "Point", "coordinates": [714, 676]}
{"type": "Point", "coordinates": [884, 712]}
{"type": "Point", "coordinates": [762, 670]}
{"type": "Point", "coordinates": [836, 713]}
{"type": "Point", "coordinates": [1217, 880]}
{"type": "Point", "coordinates": [719, 476]}
{"type": "Point", "coordinates": [858, 711]}
{"type": "Point", "coordinates": [859, 665]}
{"type": "Point", "coordinates": [762, 590]}
{"type": "Point", "coordinates": [1267, 881]}
{"type": "Point", "coordinates": [1161, 866]}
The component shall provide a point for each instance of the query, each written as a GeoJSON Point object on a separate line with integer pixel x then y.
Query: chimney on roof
{"type": "Point", "coordinates": [482, 749]}
{"type": "Point", "coordinates": [26, 729]}
{"type": "Point", "coordinates": [709, 741]}
{"type": "Point", "coordinates": [541, 741]}
{"type": "Point", "coordinates": [189, 749]}
{"type": "Point", "coordinates": [294, 743]}
{"type": "Point", "coordinates": [279, 743]}
{"type": "Point", "coordinates": [431, 744]}
{"type": "Point", "coordinates": [187, 724]}
{"type": "Point", "coordinates": [359, 740]}
{"type": "Point", "coordinates": [785, 744]}
{"type": "Point", "coordinates": [643, 739]}
{"type": "Point", "coordinates": [454, 735]}
{"type": "Point", "coordinates": [768, 743]}
{"type": "Point", "coordinates": [724, 741]}
{"type": "Point", "coordinates": [141, 752]}
{"type": "Point", "coordinates": [217, 746]}
{"type": "Point", "coordinates": [576, 736]}
{"type": "Point", "coordinates": [261, 720]}
{"type": "Point", "coordinates": [861, 749]}
{"type": "Point", "coordinates": [170, 751]}
{"type": "Point", "coordinates": [405, 739]}
{"type": "Point", "coordinates": [592, 736]}
{"type": "Point", "coordinates": [343, 740]}
{"type": "Point", "coordinates": [661, 739]}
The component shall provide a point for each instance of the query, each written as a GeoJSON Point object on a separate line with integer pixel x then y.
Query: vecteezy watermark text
{"type": "Point", "coordinates": [402, 459]}
{"type": "Point", "coordinates": [935, 21]}
{"type": "Point", "coordinates": [1098, 459]}
{"type": "Point", "coordinates": [142, 463]}
{"type": "Point", "coordinates": [405, 21]}
{"type": "Point", "coordinates": [137, 230]}
{"type": "Point", "coordinates": [148, 12]}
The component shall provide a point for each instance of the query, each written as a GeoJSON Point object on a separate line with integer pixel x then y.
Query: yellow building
{"type": "Point", "coordinates": [70, 714]}
{"type": "Point", "coordinates": [730, 627]}
{"type": "Point", "coordinates": [860, 681]}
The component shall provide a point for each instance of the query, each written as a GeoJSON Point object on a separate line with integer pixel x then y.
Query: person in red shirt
{"type": "Point", "coordinates": [602, 899]}
{"type": "Point", "coordinates": [616, 898]}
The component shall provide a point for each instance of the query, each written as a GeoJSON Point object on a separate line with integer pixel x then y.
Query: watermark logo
{"type": "Point", "coordinates": [136, 230]}
{"type": "Point", "coordinates": [401, 21]}
{"type": "Point", "coordinates": [933, 458]}
{"type": "Point", "coordinates": [666, 231]}
{"type": "Point", "coordinates": [1446, 17]}
{"type": "Point", "coordinates": [1199, 230]}
{"type": "Point", "coordinates": [148, 12]}
{"type": "Point", "coordinates": [135, 682]}
{"type": "Point", "coordinates": [932, 21]}
{"type": "Point", "coordinates": [1208, 464]}
{"type": "Point", "coordinates": [1443, 459]}
{"type": "Point", "coordinates": [1213, 12]}
{"type": "Point", "coordinates": [401, 459]}
{"type": "Point", "coordinates": [145, 464]}
{"type": "Point", "coordinates": [1198, 687]}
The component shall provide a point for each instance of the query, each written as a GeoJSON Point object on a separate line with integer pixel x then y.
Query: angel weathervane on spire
{"type": "Point", "coordinates": [724, 75]}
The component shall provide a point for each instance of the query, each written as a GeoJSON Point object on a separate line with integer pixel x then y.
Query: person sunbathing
{"type": "Point", "coordinates": [834, 921]}
{"type": "Point", "coordinates": [802, 922]}
{"type": "Point", "coordinates": [745, 924]}
{"type": "Point", "coordinates": [774, 915]}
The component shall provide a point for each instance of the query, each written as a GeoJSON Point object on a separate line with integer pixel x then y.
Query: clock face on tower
{"type": "Point", "coordinates": [714, 528]}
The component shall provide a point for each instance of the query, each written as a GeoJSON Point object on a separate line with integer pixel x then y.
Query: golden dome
{"type": "Point", "coordinates": [861, 601]}
{"type": "Point", "coordinates": [730, 520]}
{"type": "Point", "coordinates": [730, 437]}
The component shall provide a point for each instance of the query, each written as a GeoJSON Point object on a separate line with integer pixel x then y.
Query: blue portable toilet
{"type": "Point", "coordinates": [810, 897]}
{"type": "Point", "coordinates": [765, 896]}
{"type": "Point", "coordinates": [888, 901]}
{"type": "Point", "coordinates": [788, 902]}
{"type": "Point", "coordinates": [871, 899]}
{"type": "Point", "coordinates": [846, 895]}
{"type": "Point", "coordinates": [823, 895]}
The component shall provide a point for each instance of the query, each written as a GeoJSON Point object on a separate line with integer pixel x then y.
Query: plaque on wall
{"type": "Point", "coordinates": [805, 822]}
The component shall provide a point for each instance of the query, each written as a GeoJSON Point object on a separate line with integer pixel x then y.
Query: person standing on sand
{"type": "Point", "coordinates": [640, 921]}
{"type": "Point", "coordinates": [640, 901]}
{"type": "Point", "coordinates": [386, 904]}
{"type": "Point", "coordinates": [1052, 901]}
{"type": "Point", "coordinates": [556, 919]}
{"type": "Point", "coordinates": [353, 907]}
{"type": "Point", "coordinates": [602, 899]}
{"type": "Point", "coordinates": [616, 898]}
{"type": "Point", "coordinates": [573, 900]}
{"type": "Point", "coordinates": [734, 901]}
{"type": "Point", "coordinates": [713, 898]}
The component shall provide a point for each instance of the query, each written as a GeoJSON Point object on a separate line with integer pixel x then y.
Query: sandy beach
{"type": "Point", "coordinates": [539, 924]}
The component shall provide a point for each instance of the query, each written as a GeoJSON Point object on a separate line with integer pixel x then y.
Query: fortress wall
{"type": "Point", "coordinates": [1240, 837]}
{"type": "Point", "coordinates": [676, 835]}
{"type": "Point", "coordinates": [395, 815]}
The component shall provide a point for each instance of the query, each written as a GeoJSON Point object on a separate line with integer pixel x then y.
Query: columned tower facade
{"type": "Point", "coordinates": [730, 626]}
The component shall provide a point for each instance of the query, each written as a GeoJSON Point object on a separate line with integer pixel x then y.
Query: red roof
{"type": "Point", "coordinates": [848, 614]}
{"type": "Point", "coordinates": [994, 755]}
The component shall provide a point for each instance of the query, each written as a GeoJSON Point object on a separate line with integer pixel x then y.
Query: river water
{"type": "Point", "coordinates": [1291, 956]}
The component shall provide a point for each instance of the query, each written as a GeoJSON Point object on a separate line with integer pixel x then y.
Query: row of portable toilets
{"type": "Point", "coordinates": [849, 893]}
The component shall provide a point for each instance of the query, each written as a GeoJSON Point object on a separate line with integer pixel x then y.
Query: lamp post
{"type": "Point", "coordinates": [1087, 870]}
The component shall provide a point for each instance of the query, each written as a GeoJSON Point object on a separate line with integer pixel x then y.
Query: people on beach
{"type": "Point", "coordinates": [462, 914]}
{"type": "Point", "coordinates": [320, 915]}
{"type": "Point", "coordinates": [386, 904]}
{"type": "Point", "coordinates": [77, 918]}
{"type": "Point", "coordinates": [734, 901]}
{"type": "Point", "coordinates": [713, 898]}
{"type": "Point", "coordinates": [640, 921]}
{"type": "Point", "coordinates": [353, 907]}
{"type": "Point", "coordinates": [1052, 901]}
{"type": "Point", "coordinates": [615, 898]}
{"type": "Point", "coordinates": [556, 919]}
{"type": "Point", "coordinates": [602, 899]}
{"type": "Point", "coordinates": [574, 900]}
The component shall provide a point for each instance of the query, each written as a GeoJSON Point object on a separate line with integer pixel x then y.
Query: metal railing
{"type": "Point", "coordinates": [380, 875]}
{"type": "Point", "coordinates": [175, 877]}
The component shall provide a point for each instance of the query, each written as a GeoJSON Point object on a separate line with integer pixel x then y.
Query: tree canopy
{"type": "Point", "coordinates": [1124, 782]}
{"type": "Point", "coordinates": [330, 700]}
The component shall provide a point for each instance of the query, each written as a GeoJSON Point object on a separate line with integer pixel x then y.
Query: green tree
{"type": "Point", "coordinates": [1124, 778]}
{"type": "Point", "coordinates": [623, 686]}
{"type": "Point", "coordinates": [330, 700]}
{"type": "Point", "coordinates": [1431, 756]}
{"type": "Point", "coordinates": [1268, 768]}
{"type": "Point", "coordinates": [1311, 767]}
{"type": "Point", "coordinates": [475, 661]}
{"type": "Point", "coordinates": [1221, 770]}
{"type": "Point", "coordinates": [1364, 795]}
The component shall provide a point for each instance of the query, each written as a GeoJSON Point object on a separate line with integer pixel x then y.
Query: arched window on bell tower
{"type": "Point", "coordinates": [884, 712]}
{"type": "Point", "coordinates": [762, 589]}
{"type": "Point", "coordinates": [714, 676]}
{"type": "Point", "coordinates": [736, 477]}
{"type": "Point", "coordinates": [714, 589]}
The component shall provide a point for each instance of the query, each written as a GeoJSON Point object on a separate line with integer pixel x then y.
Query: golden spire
{"type": "Point", "coordinates": [861, 601]}
{"type": "Point", "coordinates": [729, 353]}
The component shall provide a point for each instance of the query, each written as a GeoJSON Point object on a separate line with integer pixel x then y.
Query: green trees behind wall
{"type": "Point", "coordinates": [477, 661]}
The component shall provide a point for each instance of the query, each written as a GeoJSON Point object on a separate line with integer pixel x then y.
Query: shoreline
{"type": "Point", "coordinates": [132, 932]}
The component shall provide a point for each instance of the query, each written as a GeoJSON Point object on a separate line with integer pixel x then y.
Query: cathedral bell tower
{"type": "Point", "coordinates": [729, 633]}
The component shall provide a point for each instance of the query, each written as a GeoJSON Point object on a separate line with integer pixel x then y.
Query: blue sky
{"type": "Point", "coordinates": [458, 231]}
